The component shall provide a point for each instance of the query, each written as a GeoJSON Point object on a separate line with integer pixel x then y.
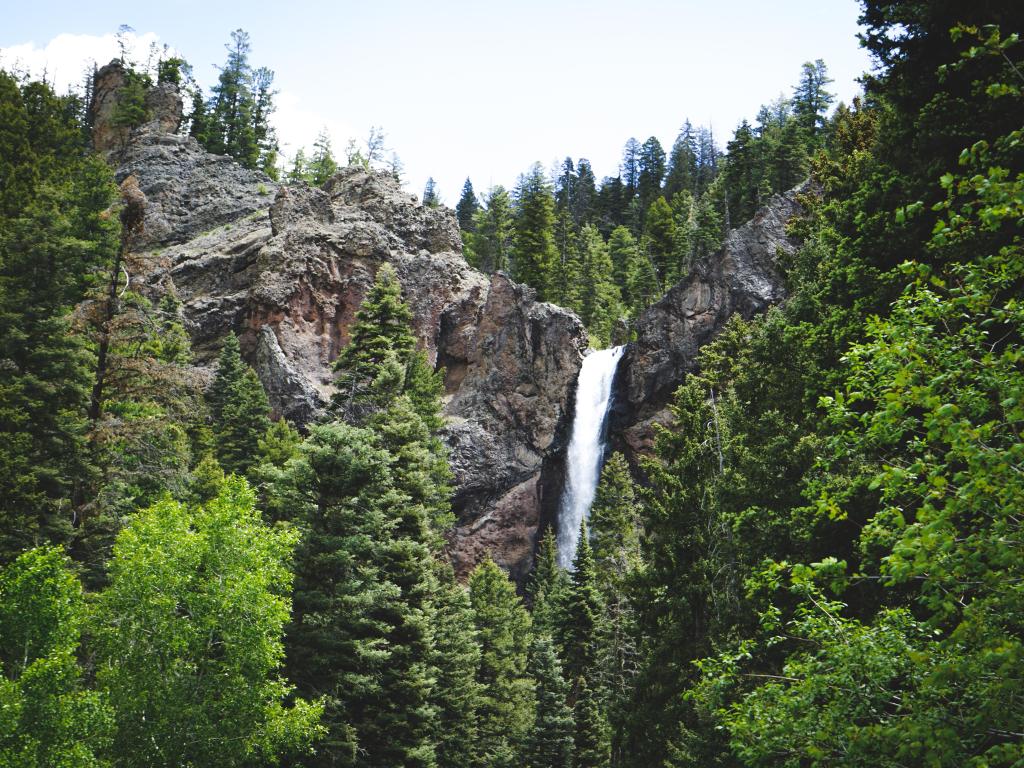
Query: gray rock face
{"type": "Point", "coordinates": [743, 278]}
{"type": "Point", "coordinates": [287, 267]}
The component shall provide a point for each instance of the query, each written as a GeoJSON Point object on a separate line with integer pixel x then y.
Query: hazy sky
{"type": "Point", "coordinates": [475, 88]}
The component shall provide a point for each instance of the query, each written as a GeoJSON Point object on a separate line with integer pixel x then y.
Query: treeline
{"type": "Point", "coordinates": [609, 249]}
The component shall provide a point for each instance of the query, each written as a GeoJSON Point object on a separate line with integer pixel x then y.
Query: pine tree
{"type": "Point", "coordinates": [239, 409]}
{"type": "Point", "coordinates": [615, 525]}
{"type": "Point", "coordinates": [548, 586]}
{"type": "Point", "coordinates": [322, 164]}
{"type": "Point", "coordinates": [507, 703]}
{"type": "Point", "coordinates": [659, 237]}
{"type": "Point", "coordinates": [430, 196]}
{"type": "Point", "coordinates": [457, 659]}
{"type": "Point", "coordinates": [534, 253]}
{"type": "Point", "coordinates": [682, 163]}
{"type": "Point", "coordinates": [591, 746]}
{"type": "Point", "coordinates": [492, 233]}
{"type": "Point", "coordinates": [467, 207]}
{"type": "Point", "coordinates": [380, 332]}
{"type": "Point", "coordinates": [363, 627]}
{"type": "Point", "coordinates": [551, 739]}
{"type": "Point", "coordinates": [811, 100]}
{"type": "Point", "coordinates": [600, 298]}
{"type": "Point", "coordinates": [244, 420]}
{"type": "Point", "coordinates": [581, 618]}
{"type": "Point", "coordinates": [651, 165]}
{"type": "Point", "coordinates": [631, 168]}
{"type": "Point", "coordinates": [55, 237]}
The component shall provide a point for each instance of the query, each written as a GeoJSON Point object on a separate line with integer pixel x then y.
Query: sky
{"type": "Point", "coordinates": [471, 87]}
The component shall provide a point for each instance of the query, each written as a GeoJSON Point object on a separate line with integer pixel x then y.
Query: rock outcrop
{"type": "Point", "coordinates": [742, 278]}
{"type": "Point", "coordinates": [286, 268]}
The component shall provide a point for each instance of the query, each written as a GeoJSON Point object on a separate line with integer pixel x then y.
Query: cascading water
{"type": "Point", "coordinates": [586, 447]}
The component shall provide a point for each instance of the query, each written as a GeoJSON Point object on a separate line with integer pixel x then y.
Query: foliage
{"type": "Point", "coordinates": [188, 637]}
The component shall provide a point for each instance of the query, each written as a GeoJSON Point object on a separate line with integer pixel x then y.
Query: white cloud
{"type": "Point", "coordinates": [65, 59]}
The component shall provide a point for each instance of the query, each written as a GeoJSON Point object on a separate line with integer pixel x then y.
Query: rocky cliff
{"type": "Point", "coordinates": [286, 268]}
{"type": "Point", "coordinates": [742, 278]}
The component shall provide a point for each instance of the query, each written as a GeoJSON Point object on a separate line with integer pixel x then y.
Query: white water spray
{"type": "Point", "coordinates": [586, 447]}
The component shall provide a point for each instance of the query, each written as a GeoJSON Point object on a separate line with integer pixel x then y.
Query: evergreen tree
{"type": "Point", "coordinates": [466, 209]}
{"type": "Point", "coordinates": [651, 164]}
{"type": "Point", "coordinates": [551, 738]}
{"type": "Point", "coordinates": [548, 586]}
{"type": "Point", "coordinates": [600, 299]}
{"type": "Point", "coordinates": [591, 747]}
{"type": "Point", "coordinates": [507, 703]}
{"type": "Point", "coordinates": [380, 333]}
{"type": "Point", "coordinates": [659, 238]}
{"type": "Point", "coordinates": [578, 634]}
{"type": "Point", "coordinates": [430, 196]}
{"type": "Point", "coordinates": [811, 100]}
{"type": "Point", "coordinates": [55, 237]}
{"type": "Point", "coordinates": [631, 168]}
{"type": "Point", "coordinates": [682, 163]}
{"type": "Point", "coordinates": [615, 525]}
{"type": "Point", "coordinates": [534, 253]}
{"type": "Point", "coordinates": [457, 658]}
{"type": "Point", "coordinates": [322, 164]}
{"type": "Point", "coordinates": [363, 627]}
{"type": "Point", "coordinates": [611, 205]}
{"type": "Point", "coordinates": [493, 228]}
{"type": "Point", "coordinates": [239, 409]}
{"type": "Point", "coordinates": [623, 249]}
{"type": "Point", "coordinates": [244, 420]}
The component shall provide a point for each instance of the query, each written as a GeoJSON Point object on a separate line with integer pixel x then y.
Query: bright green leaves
{"type": "Point", "coordinates": [189, 637]}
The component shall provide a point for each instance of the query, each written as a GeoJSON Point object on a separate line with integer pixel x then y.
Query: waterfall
{"type": "Point", "coordinates": [586, 447]}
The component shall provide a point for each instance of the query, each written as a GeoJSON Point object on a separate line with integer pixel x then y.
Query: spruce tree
{"type": "Point", "coordinates": [457, 659]}
{"type": "Point", "coordinates": [430, 197]}
{"type": "Point", "coordinates": [507, 701]}
{"type": "Point", "coordinates": [380, 330]}
{"type": "Point", "coordinates": [239, 408]}
{"type": "Point", "coordinates": [600, 298]}
{"type": "Point", "coordinates": [55, 237]}
{"type": "Point", "coordinates": [492, 233]}
{"type": "Point", "coordinates": [615, 524]}
{"type": "Point", "coordinates": [244, 420]}
{"type": "Point", "coordinates": [321, 165]}
{"type": "Point", "coordinates": [682, 163]}
{"type": "Point", "coordinates": [581, 618]}
{"type": "Point", "coordinates": [548, 586]}
{"type": "Point", "coordinates": [651, 165]}
{"type": "Point", "coordinates": [659, 238]}
{"type": "Point", "coordinates": [591, 746]}
{"type": "Point", "coordinates": [363, 625]}
{"type": "Point", "coordinates": [534, 253]}
{"type": "Point", "coordinates": [550, 743]}
{"type": "Point", "coordinates": [467, 207]}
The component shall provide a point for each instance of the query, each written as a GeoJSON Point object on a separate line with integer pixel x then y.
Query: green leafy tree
{"type": "Point", "coordinates": [48, 719]}
{"type": "Point", "coordinates": [507, 703]}
{"type": "Point", "coordinates": [188, 637]}
{"type": "Point", "coordinates": [600, 298]}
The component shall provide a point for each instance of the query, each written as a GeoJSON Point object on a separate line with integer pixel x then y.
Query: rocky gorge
{"type": "Point", "coordinates": [286, 267]}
